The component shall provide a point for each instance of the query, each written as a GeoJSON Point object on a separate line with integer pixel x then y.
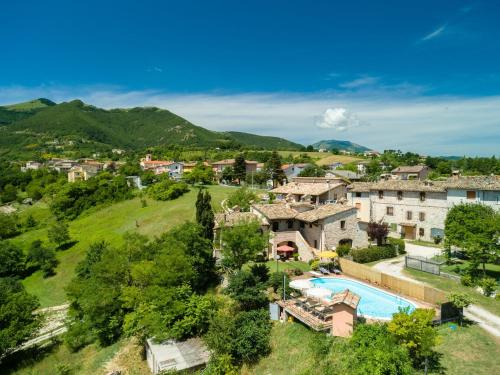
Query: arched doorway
{"type": "Point", "coordinates": [345, 242]}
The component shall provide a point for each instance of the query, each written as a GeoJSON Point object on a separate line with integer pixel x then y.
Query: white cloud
{"type": "Point", "coordinates": [412, 121]}
{"type": "Point", "coordinates": [337, 118]}
{"type": "Point", "coordinates": [434, 34]}
{"type": "Point", "coordinates": [360, 82]}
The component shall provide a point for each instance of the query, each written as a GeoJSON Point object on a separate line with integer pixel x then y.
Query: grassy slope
{"type": "Point", "coordinates": [323, 158]}
{"type": "Point", "coordinates": [109, 223]}
{"type": "Point", "coordinates": [271, 143]}
{"type": "Point", "coordinates": [466, 350]}
{"type": "Point", "coordinates": [449, 285]}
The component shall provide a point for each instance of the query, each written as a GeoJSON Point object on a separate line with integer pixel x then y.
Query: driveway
{"type": "Point", "coordinates": [486, 320]}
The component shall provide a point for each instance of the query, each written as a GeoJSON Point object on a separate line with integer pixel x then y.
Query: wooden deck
{"type": "Point", "coordinates": [304, 316]}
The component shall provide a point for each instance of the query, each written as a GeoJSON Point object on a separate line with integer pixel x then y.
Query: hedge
{"type": "Point", "coordinates": [373, 253]}
{"type": "Point", "coordinates": [399, 242]}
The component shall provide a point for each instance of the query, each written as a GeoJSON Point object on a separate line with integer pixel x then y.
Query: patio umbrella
{"type": "Point", "coordinates": [285, 249]}
{"type": "Point", "coordinates": [318, 292]}
{"type": "Point", "coordinates": [301, 284]}
{"type": "Point", "coordinates": [328, 254]}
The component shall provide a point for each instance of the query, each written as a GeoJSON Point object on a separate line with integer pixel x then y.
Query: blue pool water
{"type": "Point", "coordinates": [374, 302]}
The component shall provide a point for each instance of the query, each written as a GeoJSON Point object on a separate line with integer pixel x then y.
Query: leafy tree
{"type": "Point", "coordinates": [476, 229]}
{"type": "Point", "coordinates": [9, 193]}
{"type": "Point", "coordinates": [378, 232]}
{"type": "Point", "coordinates": [228, 174]}
{"type": "Point", "coordinates": [30, 221]}
{"type": "Point", "coordinates": [414, 331]}
{"type": "Point", "coordinates": [310, 148]}
{"type": "Point", "coordinates": [17, 321]}
{"type": "Point", "coordinates": [372, 350]}
{"type": "Point", "coordinates": [221, 365]}
{"type": "Point", "coordinates": [273, 165]}
{"type": "Point", "coordinates": [242, 198]}
{"type": "Point", "coordinates": [260, 271]}
{"type": "Point", "coordinates": [11, 259]}
{"type": "Point", "coordinates": [93, 256]}
{"type": "Point", "coordinates": [248, 290]}
{"type": "Point", "coordinates": [8, 226]}
{"type": "Point", "coordinates": [200, 174]}
{"type": "Point", "coordinates": [205, 214]}
{"type": "Point", "coordinates": [40, 257]}
{"type": "Point", "coordinates": [58, 233]}
{"type": "Point", "coordinates": [240, 168]}
{"type": "Point", "coordinates": [460, 301]}
{"type": "Point", "coordinates": [167, 189]}
{"type": "Point", "coordinates": [312, 170]}
{"type": "Point", "coordinates": [242, 243]}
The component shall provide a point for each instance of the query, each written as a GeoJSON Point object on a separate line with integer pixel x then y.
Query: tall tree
{"type": "Point", "coordinates": [474, 228]}
{"type": "Point", "coordinates": [378, 232]}
{"type": "Point", "coordinates": [240, 168]}
{"type": "Point", "coordinates": [11, 259]}
{"type": "Point", "coordinates": [205, 214]}
{"type": "Point", "coordinates": [274, 168]}
{"type": "Point", "coordinates": [58, 233]}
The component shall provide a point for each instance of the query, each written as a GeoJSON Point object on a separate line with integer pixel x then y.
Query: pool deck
{"type": "Point", "coordinates": [418, 303]}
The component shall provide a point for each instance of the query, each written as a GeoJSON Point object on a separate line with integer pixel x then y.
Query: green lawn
{"type": "Point", "coordinates": [492, 270]}
{"type": "Point", "coordinates": [426, 243]}
{"type": "Point", "coordinates": [282, 266]}
{"type": "Point", "coordinates": [466, 350]}
{"type": "Point", "coordinates": [109, 223]}
{"type": "Point", "coordinates": [449, 285]}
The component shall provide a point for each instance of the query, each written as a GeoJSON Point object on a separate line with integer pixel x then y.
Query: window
{"type": "Point", "coordinates": [471, 194]}
{"type": "Point", "coordinates": [342, 224]}
{"type": "Point", "coordinates": [421, 232]}
{"type": "Point", "coordinates": [290, 224]}
{"type": "Point", "coordinates": [334, 196]}
{"type": "Point", "coordinates": [358, 206]}
{"type": "Point", "coordinates": [358, 195]}
{"type": "Point", "coordinates": [390, 211]}
{"type": "Point", "coordinates": [276, 226]}
{"type": "Point", "coordinates": [380, 194]}
{"type": "Point", "coordinates": [421, 216]}
{"type": "Point", "coordinates": [400, 195]}
{"type": "Point", "coordinates": [302, 224]}
{"type": "Point", "coordinates": [315, 244]}
{"type": "Point", "coordinates": [409, 215]}
{"type": "Point", "coordinates": [422, 196]}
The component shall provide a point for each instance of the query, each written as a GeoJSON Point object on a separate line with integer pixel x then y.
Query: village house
{"type": "Point", "coordinates": [62, 165]}
{"type": "Point", "coordinates": [346, 175]}
{"type": "Point", "coordinates": [172, 168]}
{"type": "Point", "coordinates": [82, 173]}
{"type": "Point", "coordinates": [218, 166]}
{"type": "Point", "coordinates": [293, 170]}
{"type": "Point", "coordinates": [31, 165]}
{"type": "Point", "coordinates": [189, 166]}
{"type": "Point", "coordinates": [417, 209]}
{"type": "Point", "coordinates": [316, 190]}
{"type": "Point", "coordinates": [411, 172]}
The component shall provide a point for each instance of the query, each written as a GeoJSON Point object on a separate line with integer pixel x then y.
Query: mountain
{"type": "Point", "coordinates": [38, 123]}
{"type": "Point", "coordinates": [333, 144]}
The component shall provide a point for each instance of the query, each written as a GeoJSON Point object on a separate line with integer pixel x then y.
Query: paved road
{"type": "Point", "coordinates": [488, 321]}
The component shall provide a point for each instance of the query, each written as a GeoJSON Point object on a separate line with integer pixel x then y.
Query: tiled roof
{"type": "Point", "coordinates": [231, 161]}
{"type": "Point", "coordinates": [233, 218]}
{"type": "Point", "coordinates": [347, 297]}
{"type": "Point", "coordinates": [409, 169]}
{"type": "Point", "coordinates": [276, 211]}
{"type": "Point", "coordinates": [470, 182]}
{"type": "Point", "coordinates": [323, 212]}
{"type": "Point", "coordinates": [474, 182]}
{"type": "Point", "coordinates": [305, 188]}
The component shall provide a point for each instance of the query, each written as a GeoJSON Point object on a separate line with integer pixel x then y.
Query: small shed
{"type": "Point", "coordinates": [344, 314]}
{"type": "Point", "coordinates": [191, 354]}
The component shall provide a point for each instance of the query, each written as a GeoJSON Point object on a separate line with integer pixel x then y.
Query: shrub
{"type": "Point", "coordinates": [437, 239]}
{"type": "Point", "coordinates": [374, 253]}
{"type": "Point", "coordinates": [489, 285]}
{"type": "Point", "coordinates": [315, 265]}
{"type": "Point", "coordinates": [167, 189]}
{"type": "Point", "coordinates": [467, 280]}
{"type": "Point", "coordinates": [296, 256]}
{"type": "Point", "coordinates": [400, 243]}
{"type": "Point", "coordinates": [297, 272]}
{"type": "Point", "coordinates": [343, 250]}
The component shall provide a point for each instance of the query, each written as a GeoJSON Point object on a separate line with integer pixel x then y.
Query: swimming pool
{"type": "Point", "coordinates": [374, 303]}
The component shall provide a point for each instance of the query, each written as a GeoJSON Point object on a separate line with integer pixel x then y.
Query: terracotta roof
{"type": "Point", "coordinates": [409, 169]}
{"type": "Point", "coordinates": [346, 297]}
{"type": "Point", "coordinates": [474, 182]}
{"type": "Point", "coordinates": [157, 162]}
{"type": "Point", "coordinates": [233, 218]}
{"type": "Point", "coordinates": [276, 211]}
{"type": "Point", "coordinates": [322, 212]}
{"type": "Point", "coordinates": [231, 161]}
{"type": "Point", "coordinates": [403, 185]}
{"type": "Point", "coordinates": [305, 188]}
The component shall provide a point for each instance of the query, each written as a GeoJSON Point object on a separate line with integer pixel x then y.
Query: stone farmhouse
{"type": "Point", "coordinates": [418, 209]}
{"type": "Point", "coordinates": [218, 166]}
{"type": "Point", "coordinates": [412, 172]}
{"type": "Point", "coordinates": [315, 190]}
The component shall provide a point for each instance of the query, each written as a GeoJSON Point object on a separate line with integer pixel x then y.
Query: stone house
{"type": "Point", "coordinates": [411, 172]}
{"type": "Point", "coordinates": [82, 173]}
{"type": "Point", "coordinates": [315, 190]}
{"type": "Point", "coordinates": [218, 166]}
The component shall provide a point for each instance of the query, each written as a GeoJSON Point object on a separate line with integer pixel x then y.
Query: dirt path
{"type": "Point", "coordinates": [486, 320]}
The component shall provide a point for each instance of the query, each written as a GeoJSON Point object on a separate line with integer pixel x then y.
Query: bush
{"type": "Point", "coordinates": [343, 250]}
{"type": "Point", "coordinates": [315, 265]}
{"type": "Point", "coordinates": [489, 285]}
{"type": "Point", "coordinates": [296, 256]}
{"type": "Point", "coordinates": [467, 280]}
{"type": "Point", "coordinates": [400, 243]}
{"type": "Point", "coordinates": [437, 239]}
{"type": "Point", "coordinates": [374, 253]}
{"type": "Point", "coordinates": [167, 189]}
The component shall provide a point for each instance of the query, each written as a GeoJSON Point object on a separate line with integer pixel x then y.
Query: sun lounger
{"type": "Point", "coordinates": [324, 271]}
{"type": "Point", "coordinates": [316, 274]}
{"type": "Point", "coordinates": [336, 271]}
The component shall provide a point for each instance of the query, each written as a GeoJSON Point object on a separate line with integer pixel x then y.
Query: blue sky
{"type": "Point", "coordinates": [420, 75]}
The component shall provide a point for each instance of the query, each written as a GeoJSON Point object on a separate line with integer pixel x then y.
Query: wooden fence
{"type": "Point", "coordinates": [397, 285]}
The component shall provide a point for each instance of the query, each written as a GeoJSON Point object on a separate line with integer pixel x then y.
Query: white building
{"type": "Point", "coordinates": [418, 209]}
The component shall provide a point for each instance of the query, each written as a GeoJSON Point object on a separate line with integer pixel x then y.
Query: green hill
{"type": "Point", "coordinates": [333, 144]}
{"type": "Point", "coordinates": [40, 122]}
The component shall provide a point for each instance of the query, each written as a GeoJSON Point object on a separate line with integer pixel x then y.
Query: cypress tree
{"type": "Point", "coordinates": [240, 168]}
{"type": "Point", "coordinates": [199, 205]}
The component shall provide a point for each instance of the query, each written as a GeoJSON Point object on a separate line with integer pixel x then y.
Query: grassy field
{"type": "Point", "coordinates": [465, 350]}
{"type": "Point", "coordinates": [492, 270]}
{"type": "Point", "coordinates": [426, 243]}
{"type": "Point", "coordinates": [450, 285]}
{"type": "Point", "coordinates": [109, 224]}
{"type": "Point", "coordinates": [323, 158]}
